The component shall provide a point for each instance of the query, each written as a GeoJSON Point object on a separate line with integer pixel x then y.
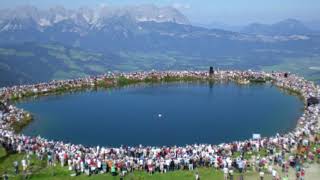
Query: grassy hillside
{"type": "Point", "coordinates": [31, 62]}
{"type": "Point", "coordinates": [308, 67]}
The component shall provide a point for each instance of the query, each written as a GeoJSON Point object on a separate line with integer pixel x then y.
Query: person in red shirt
{"type": "Point", "coordinates": [302, 174]}
{"type": "Point", "coordinates": [318, 154]}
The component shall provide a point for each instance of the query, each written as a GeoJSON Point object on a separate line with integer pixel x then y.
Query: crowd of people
{"type": "Point", "coordinates": [265, 153]}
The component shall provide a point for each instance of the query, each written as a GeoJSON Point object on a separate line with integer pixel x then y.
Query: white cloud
{"type": "Point", "coordinates": [102, 5]}
{"type": "Point", "coordinates": [181, 6]}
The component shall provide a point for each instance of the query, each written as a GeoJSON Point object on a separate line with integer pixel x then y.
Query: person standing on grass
{"type": "Point", "coordinates": [231, 174]}
{"type": "Point", "coordinates": [161, 166]}
{"type": "Point", "coordinates": [121, 176]}
{"type": "Point", "coordinates": [50, 164]}
{"type": "Point", "coordinates": [5, 176]}
{"type": "Point", "coordinates": [261, 174]}
{"type": "Point", "coordinates": [61, 158]}
{"type": "Point", "coordinates": [225, 173]}
{"type": "Point", "coordinates": [190, 165]}
{"type": "Point", "coordinates": [274, 174]}
{"type": "Point", "coordinates": [113, 170]}
{"type": "Point", "coordinates": [16, 167]}
{"type": "Point", "coordinates": [302, 174]}
{"type": "Point", "coordinates": [297, 175]}
{"type": "Point", "coordinates": [197, 176]}
{"type": "Point", "coordinates": [24, 164]}
{"type": "Point", "coordinates": [286, 177]}
{"type": "Point", "coordinates": [240, 164]}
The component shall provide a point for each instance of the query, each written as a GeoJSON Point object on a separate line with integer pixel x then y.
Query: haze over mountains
{"type": "Point", "coordinates": [93, 40]}
{"type": "Point", "coordinates": [285, 27]}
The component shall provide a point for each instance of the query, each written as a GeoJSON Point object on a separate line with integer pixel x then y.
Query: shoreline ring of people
{"type": "Point", "coordinates": [123, 159]}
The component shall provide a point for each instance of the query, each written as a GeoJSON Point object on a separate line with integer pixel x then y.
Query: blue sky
{"type": "Point", "coordinates": [234, 12]}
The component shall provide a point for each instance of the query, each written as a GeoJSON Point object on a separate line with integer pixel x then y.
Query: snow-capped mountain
{"type": "Point", "coordinates": [84, 18]}
{"type": "Point", "coordinates": [138, 28]}
{"type": "Point", "coordinates": [122, 35]}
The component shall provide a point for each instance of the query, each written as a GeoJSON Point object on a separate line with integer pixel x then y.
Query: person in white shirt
{"type": "Point", "coordinates": [197, 176]}
{"type": "Point", "coordinates": [274, 174]}
{"type": "Point", "coordinates": [225, 173]}
{"type": "Point", "coordinates": [24, 164]}
{"type": "Point", "coordinates": [261, 174]}
{"type": "Point", "coordinates": [231, 174]}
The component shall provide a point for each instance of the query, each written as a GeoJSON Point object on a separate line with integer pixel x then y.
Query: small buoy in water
{"type": "Point", "coordinates": [159, 115]}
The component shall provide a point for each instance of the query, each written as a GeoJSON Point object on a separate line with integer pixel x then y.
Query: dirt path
{"type": "Point", "coordinates": [312, 173]}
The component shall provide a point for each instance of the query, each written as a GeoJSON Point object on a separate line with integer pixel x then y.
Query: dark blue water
{"type": "Point", "coordinates": [191, 113]}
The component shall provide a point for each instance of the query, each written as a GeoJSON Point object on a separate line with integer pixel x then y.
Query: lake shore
{"type": "Point", "coordinates": [230, 156]}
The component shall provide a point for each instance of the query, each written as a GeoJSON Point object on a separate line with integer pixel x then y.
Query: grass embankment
{"type": "Point", "coordinates": [260, 80]}
{"type": "Point", "coordinates": [123, 81]}
{"type": "Point", "coordinates": [25, 121]}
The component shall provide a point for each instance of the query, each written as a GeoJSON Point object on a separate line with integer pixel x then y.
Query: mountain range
{"type": "Point", "coordinates": [135, 38]}
{"type": "Point", "coordinates": [285, 27]}
{"type": "Point", "coordinates": [84, 19]}
{"type": "Point", "coordinates": [145, 28]}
